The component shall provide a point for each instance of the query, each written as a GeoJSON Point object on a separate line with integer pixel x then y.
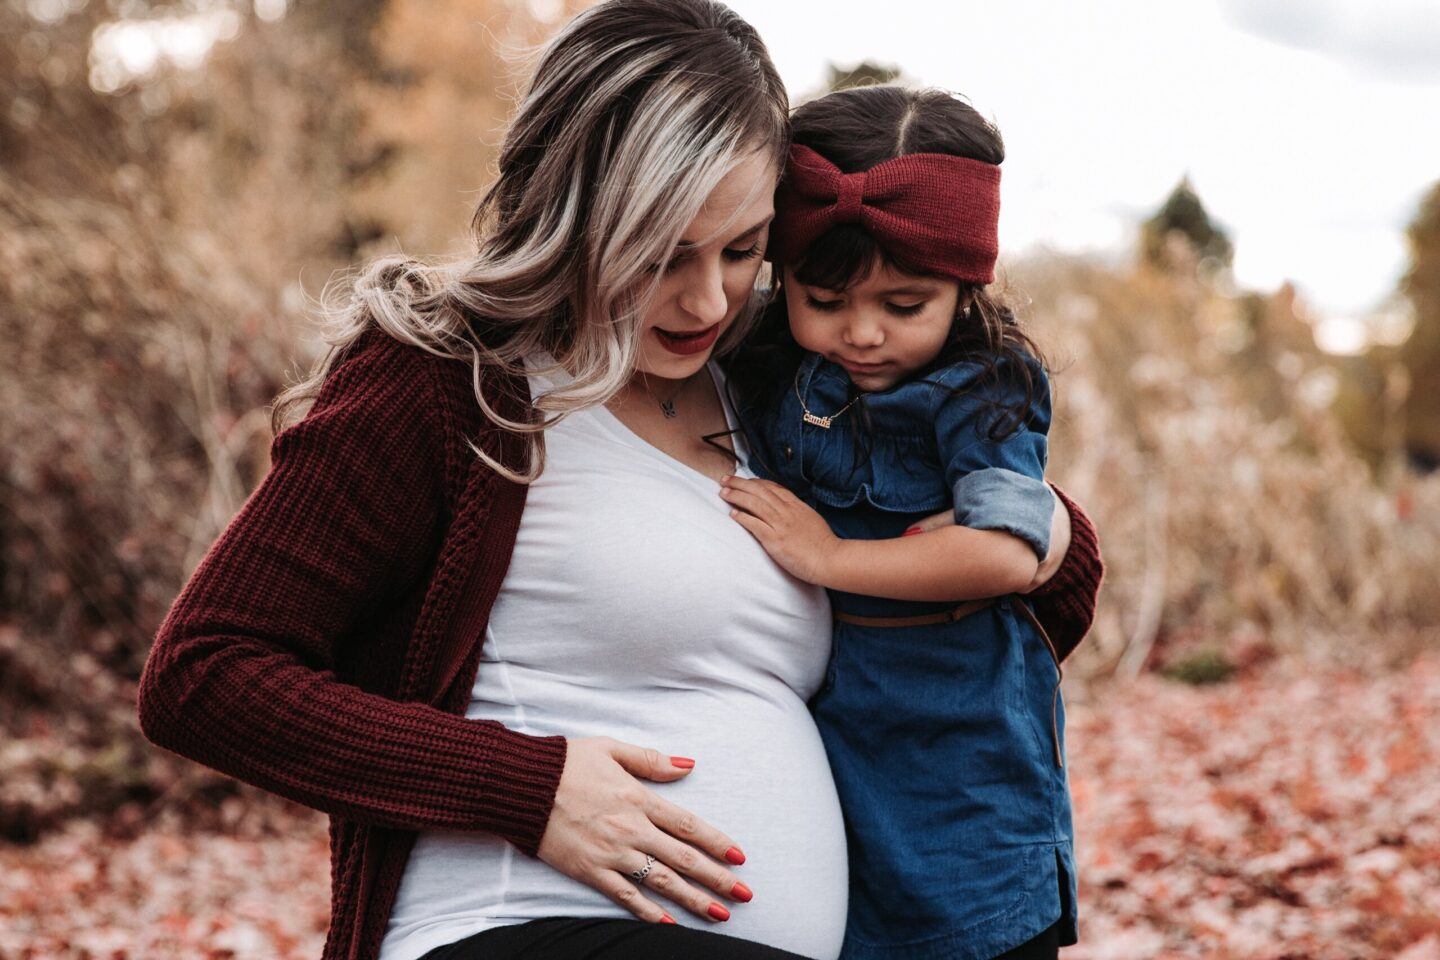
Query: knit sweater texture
{"type": "Point", "coordinates": [325, 647]}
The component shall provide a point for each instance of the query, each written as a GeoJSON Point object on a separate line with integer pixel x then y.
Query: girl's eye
{"type": "Point", "coordinates": [825, 306]}
{"type": "Point", "coordinates": [908, 310]}
{"type": "Point", "coordinates": [749, 253]}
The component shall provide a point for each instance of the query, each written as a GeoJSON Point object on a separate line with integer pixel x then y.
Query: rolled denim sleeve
{"type": "Point", "coordinates": [998, 481]}
{"type": "Point", "coordinates": [1000, 499]}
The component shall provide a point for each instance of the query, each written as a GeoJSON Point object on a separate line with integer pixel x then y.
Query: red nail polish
{"type": "Point", "coordinates": [667, 919]}
{"type": "Point", "coordinates": [735, 856]}
{"type": "Point", "coordinates": [684, 763]}
{"type": "Point", "coordinates": [742, 893]}
{"type": "Point", "coordinates": [912, 531]}
{"type": "Point", "coordinates": [719, 912]}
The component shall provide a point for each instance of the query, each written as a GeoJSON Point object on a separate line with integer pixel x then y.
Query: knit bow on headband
{"type": "Point", "coordinates": [930, 210]}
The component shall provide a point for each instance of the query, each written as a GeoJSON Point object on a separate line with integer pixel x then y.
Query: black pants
{"type": "Point", "coordinates": [569, 938]}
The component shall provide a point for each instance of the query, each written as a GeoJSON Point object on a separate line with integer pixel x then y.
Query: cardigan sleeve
{"type": "Point", "coordinates": [241, 675]}
{"type": "Point", "coordinates": [1065, 604]}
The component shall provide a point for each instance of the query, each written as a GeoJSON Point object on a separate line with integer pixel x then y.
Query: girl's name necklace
{"type": "Point", "coordinates": [819, 421]}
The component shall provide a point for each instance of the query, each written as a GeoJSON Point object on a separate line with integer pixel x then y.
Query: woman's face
{"type": "Point", "coordinates": [712, 275]}
{"type": "Point", "coordinates": [881, 328]}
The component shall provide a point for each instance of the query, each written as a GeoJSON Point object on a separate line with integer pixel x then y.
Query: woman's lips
{"type": "Point", "coordinates": [686, 344]}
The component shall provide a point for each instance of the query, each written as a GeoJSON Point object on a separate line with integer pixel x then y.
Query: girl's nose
{"type": "Point", "coordinates": [704, 293]}
{"type": "Point", "coordinates": [860, 332]}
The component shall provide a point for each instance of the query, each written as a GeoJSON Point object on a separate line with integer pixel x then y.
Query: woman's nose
{"type": "Point", "coordinates": [704, 293]}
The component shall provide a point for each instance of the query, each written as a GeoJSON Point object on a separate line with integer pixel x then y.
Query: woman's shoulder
{"type": "Point", "coordinates": [411, 386]}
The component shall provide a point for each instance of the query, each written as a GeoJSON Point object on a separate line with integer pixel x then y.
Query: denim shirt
{"type": "Point", "coordinates": [946, 740]}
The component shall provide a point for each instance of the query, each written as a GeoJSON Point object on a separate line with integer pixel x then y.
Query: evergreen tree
{"type": "Point", "coordinates": [1183, 213]}
{"type": "Point", "coordinates": [867, 73]}
{"type": "Point", "coordinates": [1420, 353]}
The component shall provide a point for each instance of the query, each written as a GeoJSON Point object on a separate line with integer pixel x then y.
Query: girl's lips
{"type": "Point", "coordinates": [854, 367]}
{"type": "Point", "coordinates": [687, 344]}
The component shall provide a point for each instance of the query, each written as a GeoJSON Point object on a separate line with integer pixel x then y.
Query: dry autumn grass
{"type": "Point", "coordinates": [1288, 813]}
{"type": "Point", "coordinates": [153, 270]}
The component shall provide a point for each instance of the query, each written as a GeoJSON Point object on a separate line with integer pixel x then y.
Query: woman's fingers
{"type": "Point", "coordinates": [670, 885]}
{"type": "Point", "coordinates": [692, 831]}
{"type": "Point", "coordinates": [623, 891]}
{"type": "Point", "coordinates": [603, 823]}
{"type": "Point", "coordinates": [650, 763]}
{"type": "Point", "coordinates": [685, 859]}
{"type": "Point", "coordinates": [936, 521]}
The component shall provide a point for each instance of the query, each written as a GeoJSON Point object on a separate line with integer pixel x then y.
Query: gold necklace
{"type": "Point", "coordinates": [819, 421]}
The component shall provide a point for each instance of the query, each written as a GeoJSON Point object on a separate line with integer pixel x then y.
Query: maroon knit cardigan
{"type": "Point", "coordinates": [325, 647]}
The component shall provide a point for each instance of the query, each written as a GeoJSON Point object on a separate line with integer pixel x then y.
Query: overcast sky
{"type": "Point", "coordinates": [1310, 128]}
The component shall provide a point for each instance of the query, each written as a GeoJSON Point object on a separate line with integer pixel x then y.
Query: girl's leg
{"type": "Point", "coordinates": [1043, 946]}
{"type": "Point", "coordinates": [570, 938]}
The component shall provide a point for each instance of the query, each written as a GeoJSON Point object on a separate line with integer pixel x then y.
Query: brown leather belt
{"type": "Point", "coordinates": [923, 620]}
{"type": "Point", "coordinates": [962, 611]}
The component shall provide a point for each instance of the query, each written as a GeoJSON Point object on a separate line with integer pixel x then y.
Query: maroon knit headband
{"type": "Point", "coordinates": [932, 210]}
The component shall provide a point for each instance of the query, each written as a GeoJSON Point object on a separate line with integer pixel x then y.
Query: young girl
{"type": "Point", "coordinates": [889, 383]}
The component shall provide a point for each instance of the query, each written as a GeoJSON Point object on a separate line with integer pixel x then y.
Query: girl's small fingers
{"type": "Point", "coordinates": [748, 501]}
{"type": "Point", "coordinates": [768, 489]}
{"type": "Point", "coordinates": [758, 528]}
{"type": "Point", "coordinates": [624, 892]}
{"type": "Point", "coordinates": [673, 887]}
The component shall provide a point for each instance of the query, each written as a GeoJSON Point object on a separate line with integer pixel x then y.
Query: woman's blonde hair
{"type": "Point", "coordinates": [635, 112]}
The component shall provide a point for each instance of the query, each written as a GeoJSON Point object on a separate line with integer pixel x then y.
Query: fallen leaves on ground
{"type": "Point", "coordinates": [1285, 815]}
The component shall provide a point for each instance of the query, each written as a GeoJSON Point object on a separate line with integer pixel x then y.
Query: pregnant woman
{"type": "Point", "coordinates": [487, 609]}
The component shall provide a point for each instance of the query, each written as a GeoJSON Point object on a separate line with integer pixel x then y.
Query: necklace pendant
{"type": "Point", "coordinates": [822, 422]}
{"type": "Point", "coordinates": [667, 407]}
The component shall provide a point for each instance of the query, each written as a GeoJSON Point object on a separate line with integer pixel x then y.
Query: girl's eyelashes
{"type": "Point", "coordinates": [830, 306]}
{"type": "Point", "coordinates": [824, 306]}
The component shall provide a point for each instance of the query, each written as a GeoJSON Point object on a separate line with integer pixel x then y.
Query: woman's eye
{"type": "Point", "coordinates": [748, 253]}
{"type": "Point", "coordinates": [822, 305]}
{"type": "Point", "coordinates": [905, 310]}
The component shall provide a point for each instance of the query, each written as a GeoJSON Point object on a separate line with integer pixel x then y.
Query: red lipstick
{"type": "Point", "coordinates": [686, 344]}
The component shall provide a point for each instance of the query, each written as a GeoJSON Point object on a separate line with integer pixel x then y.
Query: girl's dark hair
{"type": "Point", "coordinates": [858, 129]}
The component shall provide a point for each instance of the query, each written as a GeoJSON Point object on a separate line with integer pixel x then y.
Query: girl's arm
{"type": "Point", "coordinates": [953, 563]}
{"type": "Point", "coordinates": [1066, 589]}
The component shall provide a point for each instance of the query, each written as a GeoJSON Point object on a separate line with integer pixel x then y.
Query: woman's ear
{"type": "Point", "coordinates": [967, 300]}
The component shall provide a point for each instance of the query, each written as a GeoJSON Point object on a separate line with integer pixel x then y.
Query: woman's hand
{"type": "Point", "coordinates": [604, 823]}
{"type": "Point", "coordinates": [795, 536]}
{"type": "Point", "coordinates": [1059, 540]}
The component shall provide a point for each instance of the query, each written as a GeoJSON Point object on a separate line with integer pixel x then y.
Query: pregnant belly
{"type": "Point", "coordinates": [760, 776]}
{"type": "Point", "coordinates": [766, 783]}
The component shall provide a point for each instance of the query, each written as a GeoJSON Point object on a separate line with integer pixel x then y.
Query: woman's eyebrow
{"type": "Point", "coordinates": [691, 244]}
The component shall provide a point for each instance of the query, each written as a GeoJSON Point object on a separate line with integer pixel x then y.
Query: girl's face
{"type": "Point", "coordinates": [882, 328]}
{"type": "Point", "coordinates": [712, 275]}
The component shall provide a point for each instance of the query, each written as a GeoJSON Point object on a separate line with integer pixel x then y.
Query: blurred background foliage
{"type": "Point", "coordinates": [164, 224]}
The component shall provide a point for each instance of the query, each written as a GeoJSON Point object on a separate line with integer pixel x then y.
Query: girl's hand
{"type": "Point", "coordinates": [795, 536]}
{"type": "Point", "coordinates": [604, 823]}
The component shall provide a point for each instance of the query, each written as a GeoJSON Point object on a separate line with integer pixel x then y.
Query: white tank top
{"type": "Point", "coordinates": [634, 607]}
